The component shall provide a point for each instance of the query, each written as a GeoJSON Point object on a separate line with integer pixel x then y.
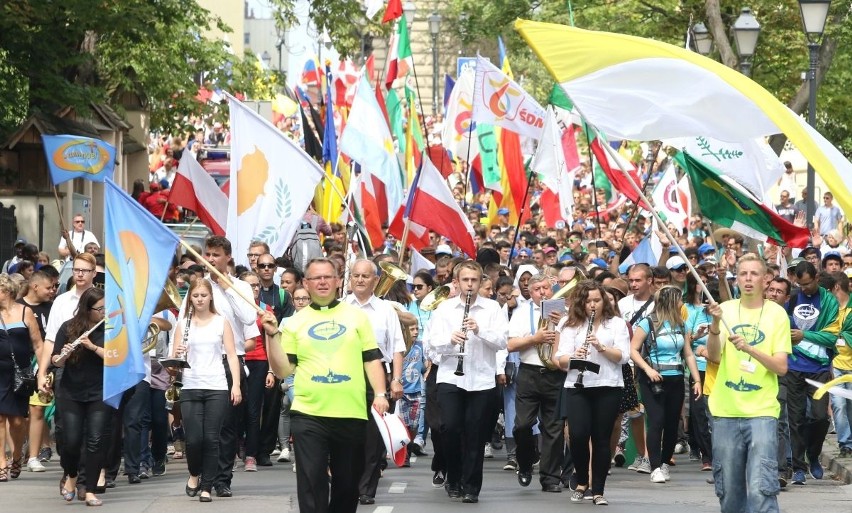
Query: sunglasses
{"type": "Point", "coordinates": [681, 269]}
{"type": "Point", "coordinates": [418, 287]}
{"type": "Point", "coordinates": [266, 266]}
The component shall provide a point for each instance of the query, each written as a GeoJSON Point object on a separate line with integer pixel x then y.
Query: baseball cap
{"type": "Point", "coordinates": [675, 262]}
{"type": "Point", "coordinates": [443, 249]}
{"type": "Point", "coordinates": [673, 250]}
{"type": "Point", "coordinates": [831, 255]}
{"type": "Point", "coordinates": [600, 262]}
{"type": "Point", "coordinates": [549, 249]}
{"type": "Point", "coordinates": [711, 260]}
{"type": "Point", "coordinates": [503, 212]}
{"type": "Point", "coordinates": [706, 248]}
{"type": "Point", "coordinates": [22, 242]}
{"type": "Point", "coordinates": [794, 262]}
{"type": "Point", "coordinates": [566, 257]}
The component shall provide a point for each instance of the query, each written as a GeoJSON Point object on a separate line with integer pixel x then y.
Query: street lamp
{"type": "Point", "coordinates": [746, 31]}
{"type": "Point", "coordinates": [463, 19]}
{"type": "Point", "coordinates": [279, 45]}
{"type": "Point", "coordinates": [434, 30]}
{"type": "Point", "coordinates": [814, 14]}
{"type": "Point", "coordinates": [409, 10]}
{"type": "Point", "coordinates": [703, 41]}
{"type": "Point", "coordinates": [266, 58]}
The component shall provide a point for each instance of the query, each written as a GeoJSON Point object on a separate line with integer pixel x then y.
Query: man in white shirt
{"type": "Point", "coordinates": [538, 389]}
{"type": "Point", "coordinates": [363, 277]}
{"type": "Point", "coordinates": [79, 237]}
{"type": "Point", "coordinates": [242, 317]}
{"type": "Point", "coordinates": [467, 400]}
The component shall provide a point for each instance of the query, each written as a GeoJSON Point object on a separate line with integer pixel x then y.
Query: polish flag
{"type": "Point", "coordinates": [365, 196]}
{"type": "Point", "coordinates": [194, 189]}
{"type": "Point", "coordinates": [431, 205]}
{"type": "Point", "coordinates": [418, 235]}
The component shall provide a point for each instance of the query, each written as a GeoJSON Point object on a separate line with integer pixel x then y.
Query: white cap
{"type": "Point", "coordinates": [394, 434]}
{"type": "Point", "coordinates": [675, 262]}
{"type": "Point", "coordinates": [443, 249]}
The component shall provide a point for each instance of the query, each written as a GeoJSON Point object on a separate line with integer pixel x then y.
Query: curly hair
{"type": "Point", "coordinates": [577, 300]}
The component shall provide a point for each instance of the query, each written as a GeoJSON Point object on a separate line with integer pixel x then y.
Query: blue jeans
{"type": "Point", "coordinates": [841, 408]}
{"type": "Point", "coordinates": [744, 464]}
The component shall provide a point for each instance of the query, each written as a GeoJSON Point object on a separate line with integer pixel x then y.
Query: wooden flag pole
{"type": "Point", "coordinates": [72, 251]}
{"type": "Point", "coordinates": [224, 279]}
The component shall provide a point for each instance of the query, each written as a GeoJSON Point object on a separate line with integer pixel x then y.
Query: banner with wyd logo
{"type": "Point", "coordinates": [500, 101]}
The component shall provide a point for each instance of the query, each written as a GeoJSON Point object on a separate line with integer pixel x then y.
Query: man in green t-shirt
{"type": "Point", "coordinates": [744, 400]}
{"type": "Point", "coordinates": [333, 347]}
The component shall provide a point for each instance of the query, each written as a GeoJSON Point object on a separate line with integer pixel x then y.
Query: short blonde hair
{"type": "Point", "coordinates": [751, 257]}
{"type": "Point", "coordinates": [9, 285]}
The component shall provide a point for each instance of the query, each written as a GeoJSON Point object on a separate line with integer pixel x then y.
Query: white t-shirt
{"type": "Point", "coordinates": [204, 352]}
{"type": "Point", "coordinates": [79, 240]}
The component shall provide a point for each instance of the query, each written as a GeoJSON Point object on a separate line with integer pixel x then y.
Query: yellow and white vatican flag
{"type": "Point", "coordinates": [272, 184]}
{"type": "Point", "coordinates": [640, 89]}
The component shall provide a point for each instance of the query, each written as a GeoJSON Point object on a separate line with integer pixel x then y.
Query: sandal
{"type": "Point", "coordinates": [4, 474]}
{"type": "Point", "coordinates": [68, 496]}
{"type": "Point", "coordinates": [15, 471]}
{"type": "Point", "coordinates": [600, 500]}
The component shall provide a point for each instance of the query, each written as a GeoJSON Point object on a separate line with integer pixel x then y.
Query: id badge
{"type": "Point", "coordinates": [747, 366]}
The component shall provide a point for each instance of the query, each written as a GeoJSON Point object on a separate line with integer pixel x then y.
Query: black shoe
{"type": "Point", "coordinates": [418, 450]}
{"type": "Point", "coordinates": [572, 481]}
{"type": "Point", "coordinates": [470, 498]}
{"type": "Point", "coordinates": [110, 483]}
{"type": "Point", "coordinates": [159, 468]}
{"type": "Point", "coordinates": [524, 478]}
{"type": "Point", "coordinates": [454, 492]}
{"type": "Point", "coordinates": [224, 491]}
{"type": "Point", "coordinates": [438, 479]}
{"type": "Point", "coordinates": [192, 492]}
{"type": "Point", "coordinates": [264, 462]}
{"type": "Point", "coordinates": [133, 479]}
{"type": "Point", "coordinates": [552, 488]}
{"type": "Point", "coordinates": [366, 500]}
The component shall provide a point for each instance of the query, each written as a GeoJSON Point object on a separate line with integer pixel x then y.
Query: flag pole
{"type": "Point", "coordinates": [520, 216]}
{"type": "Point", "coordinates": [227, 281]}
{"type": "Point", "coordinates": [72, 251]}
{"type": "Point", "coordinates": [407, 227]}
{"type": "Point", "coordinates": [645, 185]}
{"type": "Point", "coordinates": [661, 223]}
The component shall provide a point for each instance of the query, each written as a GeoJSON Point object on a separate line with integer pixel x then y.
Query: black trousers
{"type": "Point", "coordinates": [137, 410]}
{"type": "Point", "coordinates": [699, 423]}
{"type": "Point", "coordinates": [203, 415]}
{"type": "Point", "coordinates": [255, 392]}
{"type": "Point", "coordinates": [433, 419]}
{"type": "Point", "coordinates": [374, 452]}
{"type": "Point", "coordinates": [231, 429]}
{"type": "Point", "coordinates": [536, 396]}
{"type": "Point", "coordinates": [157, 426]}
{"type": "Point", "coordinates": [663, 417]}
{"type": "Point", "coordinates": [465, 430]}
{"type": "Point", "coordinates": [95, 418]}
{"type": "Point", "coordinates": [116, 442]}
{"type": "Point", "coordinates": [269, 419]}
{"type": "Point", "coordinates": [591, 414]}
{"type": "Point", "coordinates": [808, 427]}
{"type": "Point", "coordinates": [321, 443]}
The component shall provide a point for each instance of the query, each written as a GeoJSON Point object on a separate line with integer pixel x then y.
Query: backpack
{"type": "Point", "coordinates": [305, 247]}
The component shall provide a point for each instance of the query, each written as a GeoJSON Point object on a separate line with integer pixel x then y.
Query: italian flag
{"type": "Point", "coordinates": [727, 203]}
{"type": "Point", "coordinates": [400, 59]}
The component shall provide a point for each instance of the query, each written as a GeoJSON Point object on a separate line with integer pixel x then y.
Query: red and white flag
{"type": "Point", "coordinates": [433, 207]}
{"type": "Point", "coordinates": [194, 189]}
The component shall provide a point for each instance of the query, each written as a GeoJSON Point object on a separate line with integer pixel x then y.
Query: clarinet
{"type": "Point", "coordinates": [579, 382]}
{"type": "Point", "coordinates": [179, 375]}
{"type": "Point", "coordinates": [460, 358]}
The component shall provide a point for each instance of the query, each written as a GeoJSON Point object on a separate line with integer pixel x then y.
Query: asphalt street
{"type": "Point", "coordinates": [410, 490]}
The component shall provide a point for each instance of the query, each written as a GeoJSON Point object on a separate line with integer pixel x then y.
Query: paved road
{"type": "Point", "coordinates": [410, 491]}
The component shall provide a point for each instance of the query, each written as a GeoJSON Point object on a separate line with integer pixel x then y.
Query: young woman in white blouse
{"type": "Point", "coordinates": [592, 407]}
{"type": "Point", "coordinates": [204, 337]}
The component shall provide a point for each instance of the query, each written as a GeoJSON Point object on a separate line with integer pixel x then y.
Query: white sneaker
{"type": "Point", "coordinates": [665, 469]}
{"type": "Point", "coordinates": [657, 476]}
{"type": "Point", "coordinates": [34, 465]}
{"type": "Point", "coordinates": [681, 448]}
{"type": "Point", "coordinates": [644, 466]}
{"type": "Point", "coordinates": [275, 452]}
{"type": "Point", "coordinates": [285, 455]}
{"type": "Point", "coordinates": [489, 452]}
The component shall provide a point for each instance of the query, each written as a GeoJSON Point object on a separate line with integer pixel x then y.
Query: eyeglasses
{"type": "Point", "coordinates": [79, 221]}
{"type": "Point", "coordinates": [306, 298]}
{"type": "Point", "coordinates": [266, 266]}
{"type": "Point", "coordinates": [320, 278]}
{"type": "Point", "coordinates": [417, 286]}
{"type": "Point", "coordinates": [99, 309]}
{"type": "Point", "coordinates": [254, 255]}
{"type": "Point", "coordinates": [82, 271]}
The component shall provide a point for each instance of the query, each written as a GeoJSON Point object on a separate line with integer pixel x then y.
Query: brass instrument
{"type": "Point", "coordinates": [390, 275]}
{"type": "Point", "coordinates": [173, 392]}
{"type": "Point", "coordinates": [585, 365]}
{"type": "Point", "coordinates": [545, 351]}
{"type": "Point", "coordinates": [435, 298]}
{"type": "Point", "coordinates": [151, 338]}
{"type": "Point", "coordinates": [67, 350]}
{"type": "Point", "coordinates": [170, 298]}
{"type": "Point", "coordinates": [43, 396]}
{"type": "Point", "coordinates": [460, 357]}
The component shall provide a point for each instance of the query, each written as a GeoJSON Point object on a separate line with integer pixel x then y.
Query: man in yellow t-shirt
{"type": "Point", "coordinates": [841, 407]}
{"type": "Point", "coordinates": [744, 401]}
{"type": "Point", "coordinates": [333, 346]}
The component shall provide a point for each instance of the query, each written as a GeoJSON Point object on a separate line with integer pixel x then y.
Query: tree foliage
{"type": "Point", "coordinates": [55, 53]}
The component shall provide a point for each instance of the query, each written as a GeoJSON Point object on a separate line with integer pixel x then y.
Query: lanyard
{"type": "Point", "coordinates": [532, 325]}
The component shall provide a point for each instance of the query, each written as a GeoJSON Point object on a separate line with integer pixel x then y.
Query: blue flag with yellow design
{"type": "Point", "coordinates": [138, 253]}
{"type": "Point", "coordinates": [72, 156]}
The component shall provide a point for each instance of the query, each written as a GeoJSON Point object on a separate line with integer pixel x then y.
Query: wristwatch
{"type": "Point", "coordinates": [398, 380]}
{"type": "Point", "coordinates": [381, 395]}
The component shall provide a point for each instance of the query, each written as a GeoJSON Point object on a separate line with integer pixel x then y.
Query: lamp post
{"type": "Point", "coordinates": [814, 14]}
{"type": "Point", "coordinates": [409, 10]}
{"type": "Point", "coordinates": [746, 31]}
{"type": "Point", "coordinates": [266, 58]}
{"type": "Point", "coordinates": [434, 30]}
{"type": "Point", "coordinates": [703, 41]}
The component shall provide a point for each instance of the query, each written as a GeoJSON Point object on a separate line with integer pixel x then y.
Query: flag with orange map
{"type": "Point", "coordinates": [272, 184]}
{"type": "Point", "coordinates": [499, 100]}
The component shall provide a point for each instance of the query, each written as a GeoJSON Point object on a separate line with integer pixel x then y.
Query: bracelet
{"type": "Point", "coordinates": [714, 332]}
{"type": "Point", "coordinates": [271, 372]}
{"type": "Point", "coordinates": [381, 395]}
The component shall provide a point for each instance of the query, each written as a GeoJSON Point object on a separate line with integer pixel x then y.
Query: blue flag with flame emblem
{"type": "Point", "coordinates": [138, 253]}
{"type": "Point", "coordinates": [72, 156]}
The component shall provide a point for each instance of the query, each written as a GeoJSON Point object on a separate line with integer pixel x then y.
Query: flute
{"type": "Point", "coordinates": [460, 358]}
{"type": "Point", "coordinates": [584, 365]}
{"type": "Point", "coordinates": [67, 350]}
